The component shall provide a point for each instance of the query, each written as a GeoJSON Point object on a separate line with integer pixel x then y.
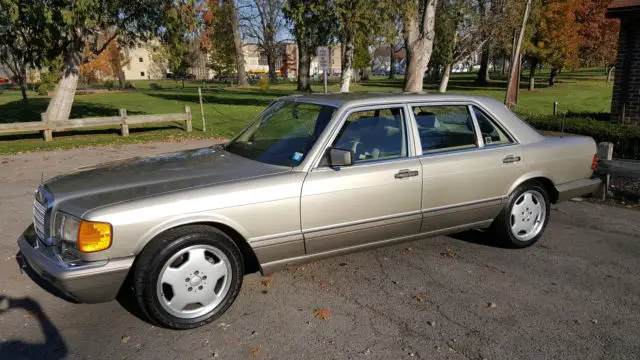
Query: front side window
{"type": "Point", "coordinates": [283, 134]}
{"type": "Point", "coordinates": [445, 128]}
{"type": "Point", "coordinates": [374, 135]}
{"type": "Point", "coordinates": [492, 134]}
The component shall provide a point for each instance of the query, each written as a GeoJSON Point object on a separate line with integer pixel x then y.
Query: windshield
{"type": "Point", "coordinates": [283, 134]}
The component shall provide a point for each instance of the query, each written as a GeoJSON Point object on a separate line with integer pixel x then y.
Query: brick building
{"type": "Point", "coordinates": [625, 105]}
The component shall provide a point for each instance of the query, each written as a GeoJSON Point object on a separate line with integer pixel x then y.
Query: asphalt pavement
{"type": "Point", "coordinates": [574, 295]}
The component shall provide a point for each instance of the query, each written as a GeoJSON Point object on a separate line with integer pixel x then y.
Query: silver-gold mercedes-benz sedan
{"type": "Point", "coordinates": [312, 177]}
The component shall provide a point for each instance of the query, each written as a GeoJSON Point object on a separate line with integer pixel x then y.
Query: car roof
{"type": "Point", "coordinates": [376, 98]}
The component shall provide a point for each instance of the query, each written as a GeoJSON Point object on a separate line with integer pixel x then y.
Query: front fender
{"type": "Point", "coordinates": [188, 219]}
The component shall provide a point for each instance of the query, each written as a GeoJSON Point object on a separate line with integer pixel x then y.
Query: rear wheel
{"type": "Point", "coordinates": [188, 276]}
{"type": "Point", "coordinates": [523, 220]}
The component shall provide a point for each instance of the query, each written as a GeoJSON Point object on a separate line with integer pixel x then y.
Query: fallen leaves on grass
{"type": "Point", "coordinates": [255, 351]}
{"type": "Point", "coordinates": [321, 313]}
{"type": "Point", "coordinates": [419, 298]}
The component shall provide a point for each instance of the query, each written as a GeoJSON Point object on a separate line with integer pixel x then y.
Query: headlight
{"type": "Point", "coordinates": [86, 236]}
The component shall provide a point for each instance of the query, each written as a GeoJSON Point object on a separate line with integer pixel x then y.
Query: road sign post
{"type": "Point", "coordinates": [323, 63]}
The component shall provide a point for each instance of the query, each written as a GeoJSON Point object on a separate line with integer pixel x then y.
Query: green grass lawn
{"type": "Point", "coordinates": [227, 110]}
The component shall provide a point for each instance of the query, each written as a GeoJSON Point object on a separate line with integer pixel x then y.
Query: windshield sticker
{"type": "Point", "coordinates": [297, 156]}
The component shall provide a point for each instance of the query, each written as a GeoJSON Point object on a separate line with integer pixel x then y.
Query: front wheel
{"type": "Point", "coordinates": [523, 220]}
{"type": "Point", "coordinates": [188, 276]}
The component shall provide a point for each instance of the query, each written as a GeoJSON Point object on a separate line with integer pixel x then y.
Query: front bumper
{"type": "Point", "coordinates": [86, 282]}
{"type": "Point", "coordinates": [577, 188]}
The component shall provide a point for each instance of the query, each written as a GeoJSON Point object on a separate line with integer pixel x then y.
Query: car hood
{"type": "Point", "coordinates": [129, 179]}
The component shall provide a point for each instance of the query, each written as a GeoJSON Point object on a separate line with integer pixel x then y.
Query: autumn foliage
{"type": "Point", "coordinates": [107, 65]}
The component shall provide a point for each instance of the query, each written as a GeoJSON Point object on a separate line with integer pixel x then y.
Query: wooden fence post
{"type": "Point", "coordinates": [47, 132]}
{"type": "Point", "coordinates": [204, 125]}
{"type": "Point", "coordinates": [187, 111]}
{"type": "Point", "coordinates": [124, 126]}
{"type": "Point", "coordinates": [605, 152]}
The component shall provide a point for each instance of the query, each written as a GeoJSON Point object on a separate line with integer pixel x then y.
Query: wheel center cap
{"type": "Point", "coordinates": [195, 281]}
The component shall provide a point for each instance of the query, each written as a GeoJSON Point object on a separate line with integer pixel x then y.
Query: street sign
{"type": "Point", "coordinates": [323, 57]}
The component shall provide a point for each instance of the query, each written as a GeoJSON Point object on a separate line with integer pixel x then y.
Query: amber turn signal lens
{"type": "Point", "coordinates": [94, 236]}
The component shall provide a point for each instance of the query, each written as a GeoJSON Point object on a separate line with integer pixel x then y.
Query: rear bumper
{"type": "Point", "coordinates": [573, 189]}
{"type": "Point", "coordinates": [87, 282]}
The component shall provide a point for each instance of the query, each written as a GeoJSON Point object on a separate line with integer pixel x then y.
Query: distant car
{"type": "Point", "coordinates": [312, 177]}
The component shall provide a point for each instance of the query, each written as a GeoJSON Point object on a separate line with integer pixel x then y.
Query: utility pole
{"type": "Point", "coordinates": [511, 97]}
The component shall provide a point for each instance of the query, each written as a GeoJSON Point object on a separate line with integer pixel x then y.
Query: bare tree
{"type": "Point", "coordinates": [262, 21]}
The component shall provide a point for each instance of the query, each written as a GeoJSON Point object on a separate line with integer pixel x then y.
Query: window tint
{"type": "Point", "coordinates": [491, 132]}
{"type": "Point", "coordinates": [444, 128]}
{"type": "Point", "coordinates": [374, 135]}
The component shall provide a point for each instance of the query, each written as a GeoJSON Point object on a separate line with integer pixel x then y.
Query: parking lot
{"type": "Point", "coordinates": [574, 295]}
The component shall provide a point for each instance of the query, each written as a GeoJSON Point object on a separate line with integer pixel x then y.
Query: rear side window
{"type": "Point", "coordinates": [445, 128]}
{"type": "Point", "coordinates": [492, 134]}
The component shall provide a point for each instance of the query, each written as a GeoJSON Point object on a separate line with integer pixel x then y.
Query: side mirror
{"type": "Point", "coordinates": [340, 157]}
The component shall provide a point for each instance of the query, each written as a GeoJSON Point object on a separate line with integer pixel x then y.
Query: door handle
{"type": "Point", "coordinates": [402, 174]}
{"type": "Point", "coordinates": [511, 159]}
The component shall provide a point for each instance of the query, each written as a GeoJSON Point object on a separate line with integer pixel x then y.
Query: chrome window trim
{"type": "Point", "coordinates": [493, 118]}
{"type": "Point", "coordinates": [466, 104]}
{"type": "Point", "coordinates": [344, 115]}
{"type": "Point", "coordinates": [476, 127]}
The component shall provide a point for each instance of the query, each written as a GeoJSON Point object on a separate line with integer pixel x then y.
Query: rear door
{"type": "Point", "coordinates": [468, 160]}
{"type": "Point", "coordinates": [378, 197]}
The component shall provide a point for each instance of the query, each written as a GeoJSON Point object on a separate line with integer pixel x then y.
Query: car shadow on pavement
{"type": "Point", "coordinates": [53, 347]}
{"type": "Point", "coordinates": [478, 237]}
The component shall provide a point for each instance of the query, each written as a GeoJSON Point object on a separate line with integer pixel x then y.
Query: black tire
{"type": "Point", "coordinates": [154, 256]}
{"type": "Point", "coordinates": [501, 227]}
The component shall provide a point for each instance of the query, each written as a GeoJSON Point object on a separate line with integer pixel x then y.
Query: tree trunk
{"type": "Point", "coordinates": [552, 75]}
{"type": "Point", "coordinates": [183, 81]}
{"type": "Point", "coordinates": [392, 62]}
{"type": "Point", "coordinates": [444, 82]}
{"type": "Point", "coordinates": [235, 28]}
{"type": "Point", "coordinates": [504, 66]}
{"type": "Point", "coordinates": [122, 79]}
{"type": "Point", "coordinates": [419, 36]}
{"type": "Point", "coordinates": [532, 74]}
{"type": "Point", "coordinates": [347, 63]}
{"type": "Point", "coordinates": [23, 85]}
{"type": "Point", "coordinates": [483, 74]}
{"type": "Point", "coordinates": [271, 62]}
{"type": "Point", "coordinates": [610, 74]}
{"type": "Point", "coordinates": [59, 108]}
{"type": "Point", "coordinates": [304, 65]}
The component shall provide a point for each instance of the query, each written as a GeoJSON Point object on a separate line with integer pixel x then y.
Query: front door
{"type": "Point", "coordinates": [375, 199]}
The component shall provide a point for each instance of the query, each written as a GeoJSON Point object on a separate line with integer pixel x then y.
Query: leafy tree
{"type": "Point", "coordinates": [459, 32]}
{"type": "Point", "coordinates": [556, 39]}
{"type": "Point", "coordinates": [72, 30]}
{"type": "Point", "coordinates": [598, 35]}
{"type": "Point", "coordinates": [418, 18]}
{"type": "Point", "coordinates": [313, 24]}
{"type": "Point", "coordinates": [23, 38]}
{"type": "Point", "coordinates": [361, 56]}
{"type": "Point", "coordinates": [357, 17]}
{"type": "Point", "coordinates": [220, 45]}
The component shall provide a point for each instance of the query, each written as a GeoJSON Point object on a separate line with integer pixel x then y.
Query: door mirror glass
{"type": "Point", "coordinates": [340, 157]}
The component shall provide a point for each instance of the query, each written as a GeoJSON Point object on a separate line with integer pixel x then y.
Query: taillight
{"type": "Point", "coordinates": [594, 163]}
